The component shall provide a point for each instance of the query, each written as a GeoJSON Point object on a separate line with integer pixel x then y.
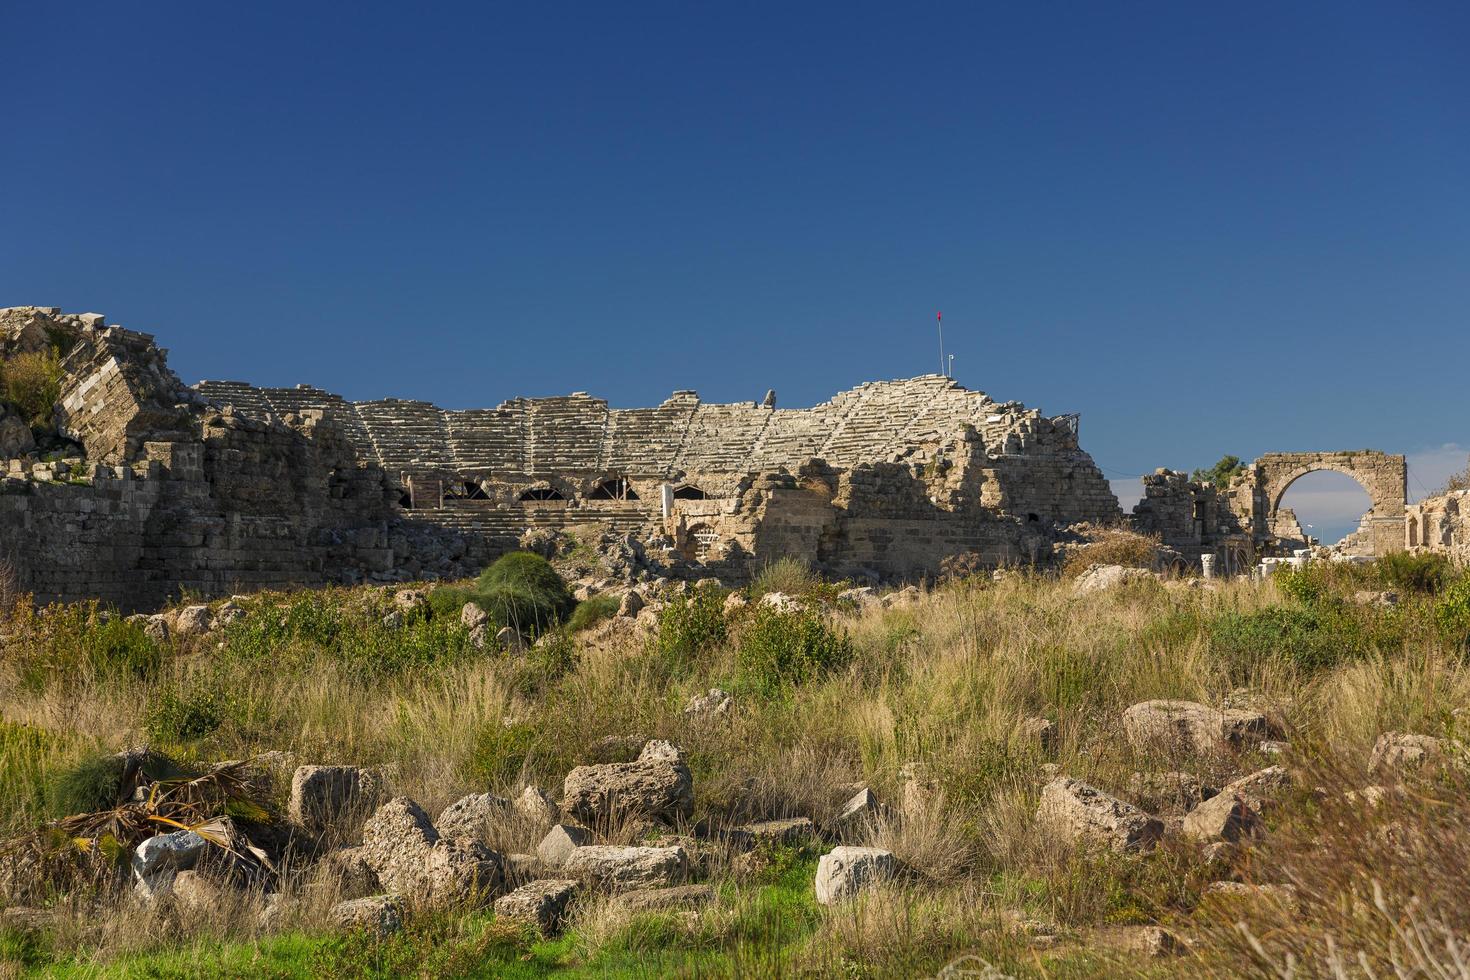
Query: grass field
{"type": "Point", "coordinates": [930, 701]}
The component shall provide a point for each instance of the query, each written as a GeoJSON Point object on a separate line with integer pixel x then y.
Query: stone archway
{"type": "Point", "coordinates": [1384, 477]}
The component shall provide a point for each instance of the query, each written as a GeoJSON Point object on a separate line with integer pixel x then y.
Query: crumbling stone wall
{"type": "Point", "coordinates": [226, 487]}
{"type": "Point", "coordinates": [1440, 525]}
{"type": "Point", "coordinates": [1246, 520]}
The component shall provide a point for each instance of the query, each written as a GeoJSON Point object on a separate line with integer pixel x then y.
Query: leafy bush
{"type": "Point", "coordinates": [593, 611]}
{"type": "Point", "coordinates": [1425, 573]}
{"type": "Point", "coordinates": [32, 383]}
{"type": "Point", "coordinates": [1452, 610]}
{"type": "Point", "coordinates": [1309, 638]}
{"type": "Point", "coordinates": [446, 601]}
{"type": "Point", "coordinates": [181, 716]}
{"type": "Point", "coordinates": [692, 624]}
{"type": "Point", "coordinates": [782, 649]}
{"type": "Point", "coordinates": [1221, 473]}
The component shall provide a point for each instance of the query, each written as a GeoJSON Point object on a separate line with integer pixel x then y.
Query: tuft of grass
{"type": "Point", "coordinates": [592, 611]}
{"type": "Point", "coordinates": [1111, 546]}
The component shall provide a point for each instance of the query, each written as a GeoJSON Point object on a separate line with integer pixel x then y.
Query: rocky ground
{"type": "Point", "coordinates": [1111, 774]}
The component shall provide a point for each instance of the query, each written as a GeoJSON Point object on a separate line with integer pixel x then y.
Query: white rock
{"type": "Point", "coordinates": [845, 872]}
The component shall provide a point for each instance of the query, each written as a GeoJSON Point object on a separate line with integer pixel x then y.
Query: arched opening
{"type": "Point", "coordinates": [614, 488]}
{"type": "Point", "coordinates": [1328, 505]}
{"type": "Point", "coordinates": [542, 493]}
{"type": "Point", "coordinates": [689, 492]}
{"type": "Point", "coordinates": [1033, 518]}
{"type": "Point", "coordinates": [1413, 531]}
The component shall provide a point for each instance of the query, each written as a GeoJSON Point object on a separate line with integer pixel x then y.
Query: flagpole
{"type": "Point", "coordinates": [939, 316]}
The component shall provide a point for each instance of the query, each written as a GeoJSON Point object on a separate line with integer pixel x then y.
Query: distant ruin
{"type": "Point", "coordinates": [1235, 527]}
{"type": "Point", "coordinates": [224, 487]}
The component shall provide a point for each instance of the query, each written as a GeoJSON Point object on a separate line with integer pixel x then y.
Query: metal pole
{"type": "Point", "coordinates": [940, 317]}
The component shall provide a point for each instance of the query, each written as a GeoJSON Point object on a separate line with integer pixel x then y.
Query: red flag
{"type": "Point", "coordinates": [939, 316]}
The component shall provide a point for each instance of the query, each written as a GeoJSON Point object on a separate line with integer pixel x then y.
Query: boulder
{"type": "Point", "coordinates": [1399, 752]}
{"type": "Point", "coordinates": [1099, 578]}
{"type": "Point", "coordinates": [471, 816]}
{"type": "Point", "coordinates": [845, 872]}
{"type": "Point", "coordinates": [560, 842]}
{"type": "Point", "coordinates": [856, 814]}
{"type": "Point", "coordinates": [193, 621]}
{"type": "Point", "coordinates": [1168, 792]}
{"type": "Point", "coordinates": [348, 868]}
{"type": "Point", "coordinates": [734, 602]}
{"type": "Point", "coordinates": [230, 612]}
{"type": "Point", "coordinates": [1237, 810]}
{"type": "Point", "coordinates": [535, 805]}
{"type": "Point", "coordinates": [786, 831]}
{"type": "Point", "coordinates": [1191, 727]}
{"type": "Point", "coordinates": [657, 784]}
{"type": "Point", "coordinates": [471, 616]}
{"type": "Point", "coordinates": [1082, 813]}
{"type": "Point", "coordinates": [197, 893]}
{"type": "Point", "coordinates": [621, 868]}
{"type": "Point", "coordinates": [667, 899]}
{"type": "Point", "coordinates": [380, 914]}
{"type": "Point", "coordinates": [781, 602]}
{"type": "Point", "coordinates": [16, 438]}
{"type": "Point", "coordinates": [168, 853]}
{"type": "Point", "coordinates": [542, 904]}
{"type": "Point", "coordinates": [322, 795]}
{"type": "Point", "coordinates": [630, 605]}
{"type": "Point", "coordinates": [412, 860]}
{"type": "Point", "coordinates": [712, 705]}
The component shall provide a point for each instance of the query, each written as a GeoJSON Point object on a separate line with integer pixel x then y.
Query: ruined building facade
{"type": "Point", "coordinates": [225, 487]}
{"type": "Point", "coordinates": [1244, 522]}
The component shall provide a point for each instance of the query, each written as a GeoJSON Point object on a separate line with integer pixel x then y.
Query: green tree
{"type": "Point", "coordinates": [1221, 473]}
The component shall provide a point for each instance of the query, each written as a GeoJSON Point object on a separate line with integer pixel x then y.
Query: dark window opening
{"type": "Point", "coordinates": [1033, 518]}
{"type": "Point", "coordinates": [615, 489]}
{"type": "Point", "coordinates": [405, 500]}
{"type": "Point", "coordinates": [542, 493]}
{"type": "Point", "coordinates": [688, 492]}
{"type": "Point", "coordinates": [1199, 510]}
{"type": "Point", "coordinates": [473, 491]}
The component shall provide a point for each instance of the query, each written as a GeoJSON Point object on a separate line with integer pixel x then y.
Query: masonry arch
{"type": "Point", "coordinates": [613, 488]}
{"type": "Point", "coordinates": [1382, 476]}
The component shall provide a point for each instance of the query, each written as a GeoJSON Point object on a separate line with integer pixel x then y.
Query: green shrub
{"type": "Point", "coordinates": [182, 716]}
{"type": "Point", "coordinates": [534, 574]}
{"type": "Point", "coordinates": [501, 751]}
{"type": "Point", "coordinates": [32, 383]}
{"type": "Point", "coordinates": [1309, 638]}
{"type": "Point", "coordinates": [94, 782]}
{"type": "Point", "coordinates": [592, 611]}
{"type": "Point", "coordinates": [1426, 573]}
{"type": "Point", "coordinates": [447, 601]}
{"type": "Point", "coordinates": [1452, 610]}
{"type": "Point", "coordinates": [692, 624]}
{"type": "Point", "coordinates": [781, 649]}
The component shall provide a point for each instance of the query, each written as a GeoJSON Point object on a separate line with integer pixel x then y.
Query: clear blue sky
{"type": "Point", "coordinates": [1209, 228]}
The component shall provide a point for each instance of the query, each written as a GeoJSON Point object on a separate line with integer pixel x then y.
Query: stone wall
{"type": "Point", "coordinates": [225, 486]}
{"type": "Point", "coordinates": [1441, 525]}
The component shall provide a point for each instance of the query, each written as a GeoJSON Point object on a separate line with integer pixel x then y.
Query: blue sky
{"type": "Point", "coordinates": [1230, 228]}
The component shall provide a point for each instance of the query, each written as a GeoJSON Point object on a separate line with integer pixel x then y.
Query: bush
{"type": "Point", "coordinates": [1452, 610]}
{"type": "Point", "coordinates": [94, 782]}
{"type": "Point", "coordinates": [791, 576]}
{"type": "Point", "coordinates": [1425, 573]}
{"type": "Point", "coordinates": [593, 611]}
{"type": "Point", "coordinates": [692, 624]}
{"type": "Point", "coordinates": [781, 649]}
{"type": "Point", "coordinates": [183, 716]}
{"type": "Point", "coordinates": [32, 383]}
{"type": "Point", "coordinates": [1309, 638]}
{"type": "Point", "coordinates": [535, 577]}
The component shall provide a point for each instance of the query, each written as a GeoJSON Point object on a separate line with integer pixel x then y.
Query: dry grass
{"type": "Point", "coordinates": [945, 683]}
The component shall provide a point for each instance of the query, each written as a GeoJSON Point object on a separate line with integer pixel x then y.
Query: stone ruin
{"type": "Point", "coordinates": [1230, 530]}
{"type": "Point", "coordinates": [224, 487]}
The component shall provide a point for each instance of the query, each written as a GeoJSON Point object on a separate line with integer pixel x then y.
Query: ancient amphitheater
{"type": "Point", "coordinates": [225, 487]}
